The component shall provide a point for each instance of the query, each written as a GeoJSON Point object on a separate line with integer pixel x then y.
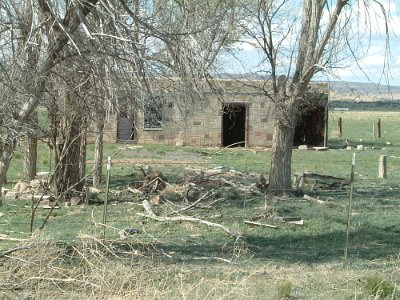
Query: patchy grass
{"type": "Point", "coordinates": [178, 260]}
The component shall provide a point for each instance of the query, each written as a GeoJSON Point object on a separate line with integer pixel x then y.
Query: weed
{"type": "Point", "coordinates": [17, 155]}
{"type": "Point", "coordinates": [284, 290]}
{"type": "Point", "coordinates": [378, 287]}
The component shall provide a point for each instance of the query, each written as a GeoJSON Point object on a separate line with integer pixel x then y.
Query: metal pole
{"type": "Point", "coordinates": [106, 198]}
{"type": "Point", "coordinates": [353, 163]}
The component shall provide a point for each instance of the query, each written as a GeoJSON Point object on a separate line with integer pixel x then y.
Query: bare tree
{"type": "Point", "coordinates": [117, 45]}
{"type": "Point", "coordinates": [299, 40]}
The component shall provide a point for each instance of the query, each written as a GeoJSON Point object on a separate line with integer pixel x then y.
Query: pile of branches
{"type": "Point", "coordinates": [201, 189]}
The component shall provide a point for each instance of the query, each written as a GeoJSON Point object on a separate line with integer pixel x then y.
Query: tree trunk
{"type": "Point", "coordinates": [67, 173]}
{"type": "Point", "coordinates": [30, 155]}
{"type": "Point", "coordinates": [98, 154]}
{"type": "Point", "coordinates": [82, 159]}
{"type": "Point", "coordinates": [68, 170]}
{"type": "Point", "coordinates": [6, 154]}
{"type": "Point", "coordinates": [280, 172]}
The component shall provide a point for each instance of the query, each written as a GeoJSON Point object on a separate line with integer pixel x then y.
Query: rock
{"type": "Point", "coordinates": [154, 200]}
{"type": "Point", "coordinates": [43, 174]}
{"type": "Point", "coordinates": [94, 190]}
{"type": "Point", "coordinates": [303, 147]}
{"type": "Point", "coordinates": [4, 191]}
{"type": "Point", "coordinates": [127, 231]}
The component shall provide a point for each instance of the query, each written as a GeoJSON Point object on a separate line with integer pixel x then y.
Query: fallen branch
{"type": "Point", "coordinates": [150, 214]}
{"type": "Point", "coordinates": [312, 199]}
{"type": "Point", "coordinates": [13, 250]}
{"type": "Point", "coordinates": [260, 224]}
{"type": "Point", "coordinates": [64, 280]}
{"type": "Point", "coordinates": [247, 189]}
{"type": "Point", "coordinates": [6, 238]}
{"type": "Point", "coordinates": [231, 145]}
{"type": "Point", "coordinates": [212, 258]}
{"type": "Point", "coordinates": [206, 195]}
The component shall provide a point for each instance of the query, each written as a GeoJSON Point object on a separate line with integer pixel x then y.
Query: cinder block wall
{"type": "Point", "coordinates": [198, 122]}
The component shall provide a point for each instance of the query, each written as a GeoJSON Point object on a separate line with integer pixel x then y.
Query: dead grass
{"type": "Point", "coordinates": [94, 269]}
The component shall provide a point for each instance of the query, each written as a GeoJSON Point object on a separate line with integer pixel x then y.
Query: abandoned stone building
{"type": "Point", "coordinates": [236, 113]}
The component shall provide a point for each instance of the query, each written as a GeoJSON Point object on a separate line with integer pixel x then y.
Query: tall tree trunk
{"type": "Point", "coordinates": [98, 153]}
{"type": "Point", "coordinates": [67, 173]}
{"type": "Point", "coordinates": [82, 157]}
{"type": "Point", "coordinates": [280, 172]}
{"type": "Point", "coordinates": [30, 155]}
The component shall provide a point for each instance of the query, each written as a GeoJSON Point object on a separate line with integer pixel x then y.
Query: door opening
{"type": "Point", "coordinates": [311, 129]}
{"type": "Point", "coordinates": [126, 129]}
{"type": "Point", "coordinates": [234, 125]}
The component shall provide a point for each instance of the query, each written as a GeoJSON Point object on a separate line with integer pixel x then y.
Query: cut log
{"type": "Point", "coordinates": [147, 206]}
{"type": "Point", "coordinates": [314, 178]}
{"type": "Point", "coordinates": [288, 219]}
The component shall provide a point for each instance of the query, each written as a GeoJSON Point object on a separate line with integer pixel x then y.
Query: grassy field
{"type": "Point", "coordinates": [186, 260]}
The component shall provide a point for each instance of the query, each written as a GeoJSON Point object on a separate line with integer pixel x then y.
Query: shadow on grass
{"type": "Point", "coordinates": [366, 243]}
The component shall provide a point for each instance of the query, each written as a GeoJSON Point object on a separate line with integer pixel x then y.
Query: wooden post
{"type": "Point", "coordinates": [326, 125]}
{"type": "Point", "coordinates": [340, 127]}
{"type": "Point", "coordinates": [379, 128]}
{"type": "Point", "coordinates": [373, 131]}
{"type": "Point", "coordinates": [382, 166]}
{"type": "Point", "coordinates": [353, 163]}
{"type": "Point", "coordinates": [106, 198]}
{"type": "Point", "coordinates": [376, 130]}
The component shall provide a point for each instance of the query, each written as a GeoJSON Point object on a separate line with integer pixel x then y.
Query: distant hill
{"type": "Point", "coordinates": [360, 95]}
{"type": "Point", "coordinates": [353, 92]}
{"type": "Point", "coordinates": [341, 87]}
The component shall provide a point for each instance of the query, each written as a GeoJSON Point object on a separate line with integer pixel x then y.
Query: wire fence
{"type": "Point", "coordinates": [376, 182]}
{"type": "Point", "coordinates": [367, 186]}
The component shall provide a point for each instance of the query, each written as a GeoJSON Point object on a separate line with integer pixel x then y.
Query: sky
{"type": "Point", "coordinates": [379, 65]}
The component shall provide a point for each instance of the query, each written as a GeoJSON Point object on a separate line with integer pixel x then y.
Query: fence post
{"type": "Point", "coordinates": [376, 130]}
{"type": "Point", "coordinates": [106, 198]}
{"type": "Point", "coordinates": [340, 127]}
{"type": "Point", "coordinates": [373, 131]}
{"type": "Point", "coordinates": [379, 128]}
{"type": "Point", "coordinates": [382, 166]}
{"type": "Point", "coordinates": [353, 163]}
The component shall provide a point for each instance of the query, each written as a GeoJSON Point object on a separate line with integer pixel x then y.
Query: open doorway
{"type": "Point", "coordinates": [311, 129]}
{"type": "Point", "coordinates": [234, 125]}
{"type": "Point", "coordinates": [126, 129]}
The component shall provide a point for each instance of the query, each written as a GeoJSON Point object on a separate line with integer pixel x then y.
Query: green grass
{"type": "Point", "coordinates": [186, 259]}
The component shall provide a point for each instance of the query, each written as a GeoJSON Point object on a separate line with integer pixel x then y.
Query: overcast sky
{"type": "Point", "coordinates": [372, 62]}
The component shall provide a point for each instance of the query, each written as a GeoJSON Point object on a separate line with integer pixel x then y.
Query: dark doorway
{"type": "Point", "coordinates": [126, 129]}
{"type": "Point", "coordinates": [234, 125]}
{"type": "Point", "coordinates": [311, 129]}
